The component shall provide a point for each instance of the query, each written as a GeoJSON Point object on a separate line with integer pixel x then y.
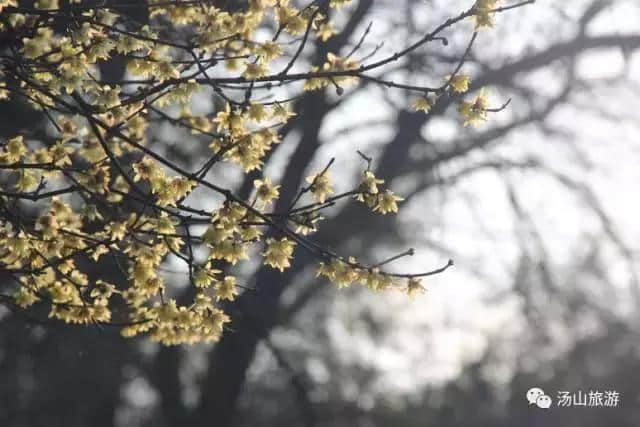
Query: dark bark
{"type": "Point", "coordinates": [232, 356]}
{"type": "Point", "coordinates": [234, 353]}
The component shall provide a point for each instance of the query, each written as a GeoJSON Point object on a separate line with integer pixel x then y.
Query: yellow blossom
{"type": "Point", "coordinates": [15, 149]}
{"type": "Point", "coordinates": [255, 70]}
{"type": "Point", "coordinates": [414, 287]}
{"type": "Point", "coordinates": [279, 253]}
{"type": "Point", "coordinates": [483, 12]}
{"type": "Point", "coordinates": [387, 202]}
{"type": "Point", "coordinates": [321, 186]}
{"type": "Point", "coordinates": [459, 83]}
{"type": "Point", "coordinates": [475, 112]}
{"type": "Point", "coordinates": [423, 104]}
{"type": "Point", "coordinates": [265, 190]}
{"type": "Point", "coordinates": [226, 289]}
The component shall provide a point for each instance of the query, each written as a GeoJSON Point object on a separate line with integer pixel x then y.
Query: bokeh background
{"type": "Point", "coordinates": [538, 208]}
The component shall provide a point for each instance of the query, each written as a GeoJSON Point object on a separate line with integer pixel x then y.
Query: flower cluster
{"type": "Point", "coordinates": [474, 112]}
{"type": "Point", "coordinates": [345, 273]}
{"type": "Point", "coordinates": [380, 201]}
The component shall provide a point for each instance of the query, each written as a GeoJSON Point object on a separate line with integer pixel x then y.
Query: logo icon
{"type": "Point", "coordinates": [536, 396]}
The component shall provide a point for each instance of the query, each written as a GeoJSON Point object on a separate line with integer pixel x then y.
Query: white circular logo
{"type": "Point", "coordinates": [536, 396]}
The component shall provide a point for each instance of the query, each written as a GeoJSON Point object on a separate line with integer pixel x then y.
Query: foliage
{"type": "Point", "coordinates": [102, 190]}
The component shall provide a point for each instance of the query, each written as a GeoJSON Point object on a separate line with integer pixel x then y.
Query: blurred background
{"type": "Point", "coordinates": [537, 208]}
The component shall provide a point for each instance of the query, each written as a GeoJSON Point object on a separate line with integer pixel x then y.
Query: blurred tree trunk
{"type": "Point", "coordinates": [233, 355]}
